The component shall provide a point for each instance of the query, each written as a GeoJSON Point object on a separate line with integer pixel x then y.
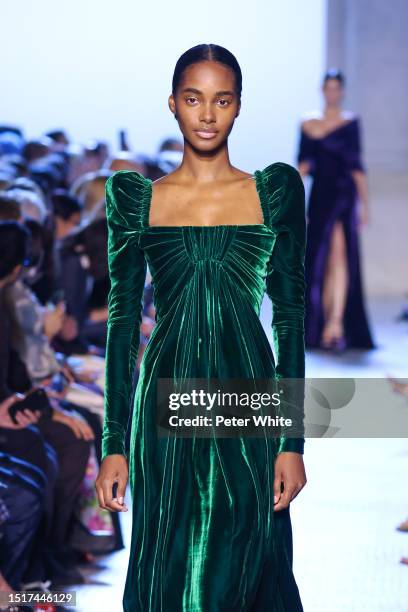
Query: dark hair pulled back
{"type": "Point", "coordinates": [334, 73]}
{"type": "Point", "coordinates": [204, 52]}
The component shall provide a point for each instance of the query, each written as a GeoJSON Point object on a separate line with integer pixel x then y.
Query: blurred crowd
{"type": "Point", "coordinates": [54, 287]}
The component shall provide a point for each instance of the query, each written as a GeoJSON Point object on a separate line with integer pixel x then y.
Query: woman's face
{"type": "Point", "coordinates": [333, 92]}
{"type": "Point", "coordinates": [206, 104]}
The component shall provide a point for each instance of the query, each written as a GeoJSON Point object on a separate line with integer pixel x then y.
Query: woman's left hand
{"type": "Point", "coordinates": [363, 216]}
{"type": "Point", "coordinates": [289, 470]}
{"type": "Point", "coordinates": [78, 424]}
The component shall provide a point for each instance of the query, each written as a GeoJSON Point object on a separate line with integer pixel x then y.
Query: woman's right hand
{"type": "Point", "coordinates": [113, 469]}
{"type": "Point", "coordinates": [24, 418]}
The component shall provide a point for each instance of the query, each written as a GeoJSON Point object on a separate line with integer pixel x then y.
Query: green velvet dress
{"type": "Point", "coordinates": [205, 537]}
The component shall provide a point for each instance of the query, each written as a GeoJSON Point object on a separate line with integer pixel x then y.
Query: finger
{"type": "Point", "coordinates": [22, 419]}
{"type": "Point", "coordinates": [81, 432]}
{"type": "Point", "coordinates": [99, 493]}
{"type": "Point", "coordinates": [121, 491]}
{"type": "Point", "coordinates": [289, 491]}
{"type": "Point", "coordinates": [283, 502]}
{"type": "Point", "coordinates": [111, 503]}
{"type": "Point", "coordinates": [295, 493]}
{"type": "Point", "coordinates": [277, 488]}
{"type": "Point", "coordinates": [86, 435]}
{"type": "Point", "coordinates": [75, 428]}
{"type": "Point", "coordinates": [30, 415]}
{"type": "Point", "coordinates": [88, 432]}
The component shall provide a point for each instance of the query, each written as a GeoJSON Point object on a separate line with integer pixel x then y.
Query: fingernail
{"type": "Point", "coordinates": [275, 499]}
{"type": "Point", "coordinates": [121, 500]}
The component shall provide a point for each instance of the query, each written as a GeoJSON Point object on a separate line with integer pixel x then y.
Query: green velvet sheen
{"type": "Point", "coordinates": [204, 529]}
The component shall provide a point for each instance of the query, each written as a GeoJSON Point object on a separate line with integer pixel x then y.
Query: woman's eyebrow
{"type": "Point", "coordinates": [225, 92]}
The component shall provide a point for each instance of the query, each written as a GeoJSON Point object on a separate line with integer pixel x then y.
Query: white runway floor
{"type": "Point", "coordinates": [346, 547]}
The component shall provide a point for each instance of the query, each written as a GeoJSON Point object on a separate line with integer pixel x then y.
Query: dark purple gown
{"type": "Point", "coordinates": [333, 197]}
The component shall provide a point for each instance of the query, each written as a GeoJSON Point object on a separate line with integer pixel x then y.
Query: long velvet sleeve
{"type": "Point", "coordinates": [285, 285]}
{"type": "Point", "coordinates": [127, 270]}
{"type": "Point", "coordinates": [352, 149]}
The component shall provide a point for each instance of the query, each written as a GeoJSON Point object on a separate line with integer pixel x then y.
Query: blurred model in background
{"type": "Point", "coordinates": [330, 152]}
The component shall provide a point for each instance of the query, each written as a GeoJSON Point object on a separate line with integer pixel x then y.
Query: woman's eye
{"type": "Point", "coordinates": [191, 100]}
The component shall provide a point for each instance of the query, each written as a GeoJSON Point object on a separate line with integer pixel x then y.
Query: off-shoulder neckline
{"type": "Point", "coordinates": [333, 131]}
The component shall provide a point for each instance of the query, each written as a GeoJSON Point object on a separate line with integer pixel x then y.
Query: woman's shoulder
{"type": "Point", "coordinates": [284, 193]}
{"type": "Point", "coordinates": [280, 176]}
{"type": "Point", "coordinates": [127, 197]}
{"type": "Point", "coordinates": [317, 115]}
{"type": "Point", "coordinates": [129, 182]}
{"type": "Point", "coordinates": [313, 120]}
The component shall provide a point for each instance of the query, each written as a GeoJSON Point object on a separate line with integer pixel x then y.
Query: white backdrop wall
{"type": "Point", "coordinates": [95, 66]}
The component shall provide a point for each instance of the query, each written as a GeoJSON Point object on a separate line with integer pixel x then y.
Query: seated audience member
{"type": "Point", "coordinates": [30, 199]}
{"type": "Point", "coordinates": [90, 191]}
{"type": "Point", "coordinates": [59, 139]}
{"type": "Point", "coordinates": [17, 164]}
{"type": "Point", "coordinates": [33, 330]}
{"type": "Point", "coordinates": [34, 325]}
{"type": "Point", "coordinates": [48, 176]}
{"type": "Point", "coordinates": [91, 158]}
{"type": "Point", "coordinates": [36, 149]}
{"type": "Point", "coordinates": [125, 160]}
{"type": "Point", "coordinates": [69, 435]}
{"type": "Point", "coordinates": [84, 279]}
{"type": "Point", "coordinates": [67, 213]}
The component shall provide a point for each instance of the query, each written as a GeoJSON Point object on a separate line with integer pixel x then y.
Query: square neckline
{"type": "Point", "coordinates": [256, 176]}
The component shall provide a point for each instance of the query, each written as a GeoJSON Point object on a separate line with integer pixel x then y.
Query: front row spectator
{"type": "Point", "coordinates": [59, 446]}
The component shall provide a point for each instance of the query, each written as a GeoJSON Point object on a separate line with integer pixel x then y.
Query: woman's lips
{"type": "Point", "coordinates": [205, 134]}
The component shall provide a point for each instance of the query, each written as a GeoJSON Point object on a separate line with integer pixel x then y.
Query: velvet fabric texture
{"type": "Point", "coordinates": [333, 198]}
{"type": "Point", "coordinates": [205, 536]}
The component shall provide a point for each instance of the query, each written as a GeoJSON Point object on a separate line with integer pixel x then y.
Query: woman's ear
{"type": "Point", "coordinates": [238, 110]}
{"type": "Point", "coordinates": [172, 105]}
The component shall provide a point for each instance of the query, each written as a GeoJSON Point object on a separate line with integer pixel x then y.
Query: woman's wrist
{"type": "Point", "coordinates": [293, 445]}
